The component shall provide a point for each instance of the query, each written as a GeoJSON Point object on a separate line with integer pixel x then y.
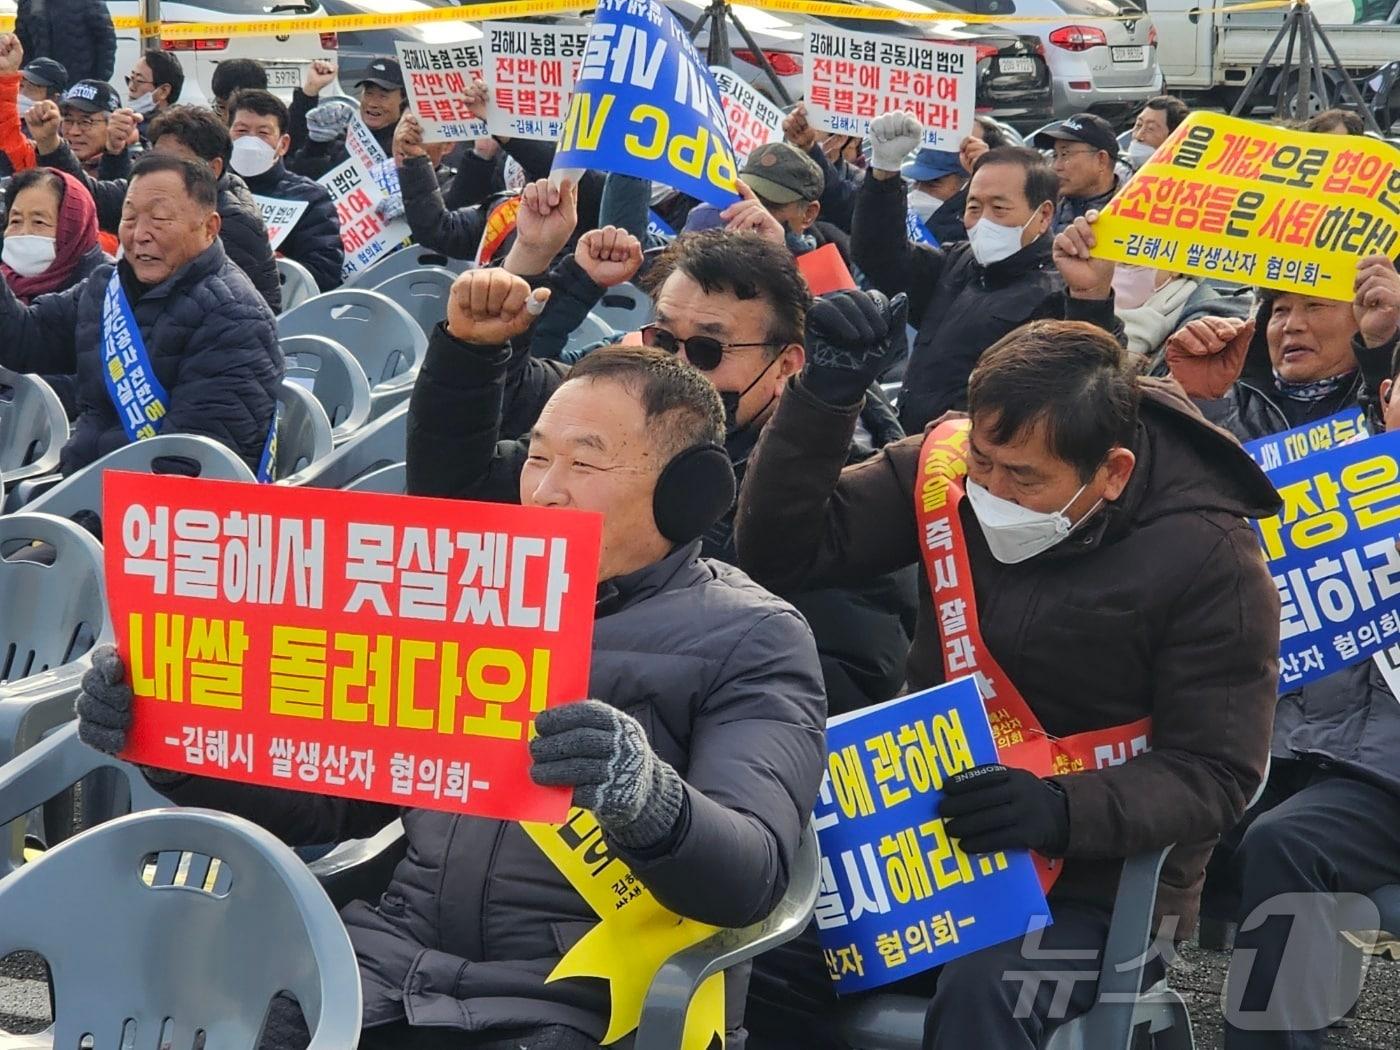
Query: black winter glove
{"type": "Point", "coordinates": [604, 755]}
{"type": "Point", "coordinates": [850, 336]}
{"type": "Point", "coordinates": [993, 807]}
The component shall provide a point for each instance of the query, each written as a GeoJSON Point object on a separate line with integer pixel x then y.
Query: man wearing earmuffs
{"type": "Point", "coordinates": [700, 753]}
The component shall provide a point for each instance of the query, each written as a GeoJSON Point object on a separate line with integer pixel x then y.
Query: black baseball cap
{"type": "Point", "coordinates": [384, 73]}
{"type": "Point", "coordinates": [91, 96]}
{"type": "Point", "coordinates": [1082, 127]}
{"type": "Point", "coordinates": [47, 73]}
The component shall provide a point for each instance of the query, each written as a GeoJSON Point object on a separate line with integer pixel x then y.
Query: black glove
{"type": "Point", "coordinates": [992, 808]}
{"type": "Point", "coordinates": [850, 336]}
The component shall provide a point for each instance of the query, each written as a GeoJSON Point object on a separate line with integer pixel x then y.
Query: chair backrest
{"type": "Point", "coordinates": [624, 308]}
{"type": "Point", "coordinates": [379, 333]}
{"type": "Point", "coordinates": [336, 379]}
{"type": "Point", "coordinates": [391, 480]}
{"type": "Point", "coordinates": [303, 431]}
{"type": "Point", "coordinates": [33, 427]}
{"type": "Point", "coordinates": [413, 257]}
{"type": "Point", "coordinates": [187, 454]}
{"type": "Point", "coordinates": [297, 283]}
{"type": "Point", "coordinates": [423, 293]}
{"type": "Point", "coordinates": [50, 614]}
{"type": "Point", "coordinates": [379, 444]}
{"type": "Point", "coordinates": [147, 938]}
{"type": "Point", "coordinates": [591, 329]}
{"type": "Point", "coordinates": [668, 999]}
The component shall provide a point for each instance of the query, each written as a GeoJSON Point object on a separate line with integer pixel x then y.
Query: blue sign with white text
{"type": "Point", "coordinates": [918, 230]}
{"type": "Point", "coordinates": [897, 895]}
{"type": "Point", "coordinates": [1289, 446]}
{"type": "Point", "coordinates": [645, 104]}
{"type": "Point", "coordinates": [1332, 554]}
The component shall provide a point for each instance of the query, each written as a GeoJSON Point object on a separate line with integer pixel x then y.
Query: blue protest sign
{"type": "Point", "coordinates": [898, 896]}
{"type": "Point", "coordinates": [1332, 554]}
{"type": "Point", "coordinates": [1289, 446]}
{"type": "Point", "coordinates": [917, 230]}
{"type": "Point", "coordinates": [659, 228]}
{"type": "Point", "coordinates": [646, 105]}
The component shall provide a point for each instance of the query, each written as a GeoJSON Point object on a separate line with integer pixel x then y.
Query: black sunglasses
{"type": "Point", "coordinates": [702, 351]}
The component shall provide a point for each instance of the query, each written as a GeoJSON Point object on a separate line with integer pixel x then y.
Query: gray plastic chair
{"type": "Point", "coordinates": [379, 444]}
{"type": "Point", "coordinates": [391, 480]}
{"type": "Point", "coordinates": [663, 1013]}
{"type": "Point", "coordinates": [327, 369]}
{"type": "Point", "coordinates": [896, 1022]}
{"type": "Point", "coordinates": [624, 308]}
{"type": "Point", "coordinates": [172, 956]}
{"type": "Point", "coordinates": [50, 617]}
{"type": "Point", "coordinates": [303, 431]}
{"type": "Point", "coordinates": [423, 293]}
{"type": "Point", "coordinates": [414, 257]}
{"type": "Point", "coordinates": [379, 333]}
{"type": "Point", "coordinates": [187, 454]}
{"type": "Point", "coordinates": [591, 330]}
{"type": "Point", "coordinates": [33, 428]}
{"type": "Point", "coordinates": [297, 283]}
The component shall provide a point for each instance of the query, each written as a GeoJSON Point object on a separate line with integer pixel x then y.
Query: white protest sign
{"type": "Point", "coordinates": [436, 76]}
{"type": "Point", "coordinates": [280, 216]}
{"type": "Point", "coordinates": [365, 236]}
{"type": "Point", "coordinates": [531, 71]}
{"type": "Point", "coordinates": [849, 79]}
{"type": "Point", "coordinates": [364, 150]}
{"type": "Point", "coordinates": [753, 121]}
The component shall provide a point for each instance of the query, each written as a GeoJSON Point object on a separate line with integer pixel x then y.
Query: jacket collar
{"type": "Point", "coordinates": [268, 180]}
{"type": "Point", "coordinates": [1034, 256]}
{"type": "Point", "coordinates": [201, 266]}
{"type": "Point", "coordinates": [620, 592]}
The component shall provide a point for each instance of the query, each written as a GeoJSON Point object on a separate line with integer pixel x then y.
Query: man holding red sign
{"type": "Point", "coordinates": [699, 759]}
{"type": "Point", "coordinates": [1101, 582]}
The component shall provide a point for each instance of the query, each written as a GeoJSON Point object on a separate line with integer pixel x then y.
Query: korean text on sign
{"type": "Point", "coordinates": [377, 647]}
{"type": "Point", "coordinates": [753, 121]}
{"type": "Point", "coordinates": [363, 232]}
{"type": "Point", "coordinates": [437, 76]}
{"type": "Point", "coordinates": [1289, 446]}
{"type": "Point", "coordinates": [280, 217]}
{"type": "Point", "coordinates": [1256, 204]}
{"type": "Point", "coordinates": [1332, 553]}
{"type": "Point", "coordinates": [646, 105]}
{"type": "Point", "coordinates": [898, 896]}
{"type": "Point", "coordinates": [849, 79]}
{"type": "Point", "coordinates": [531, 72]}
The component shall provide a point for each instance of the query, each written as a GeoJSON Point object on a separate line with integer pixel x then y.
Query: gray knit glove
{"type": "Point", "coordinates": [604, 756]}
{"type": "Point", "coordinates": [329, 121]}
{"type": "Point", "coordinates": [104, 709]}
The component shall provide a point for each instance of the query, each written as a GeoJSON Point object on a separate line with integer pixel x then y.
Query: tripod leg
{"type": "Point", "coordinates": [1288, 29]}
{"type": "Point", "coordinates": [763, 62]}
{"type": "Point", "coordinates": [1305, 72]}
{"type": "Point", "coordinates": [1348, 87]}
{"type": "Point", "coordinates": [1324, 93]}
{"type": "Point", "coordinates": [1282, 94]}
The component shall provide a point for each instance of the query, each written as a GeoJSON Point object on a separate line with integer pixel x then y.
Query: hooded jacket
{"type": "Point", "coordinates": [1160, 605]}
{"type": "Point", "coordinates": [211, 340]}
{"type": "Point", "coordinates": [959, 307]}
{"type": "Point", "coordinates": [315, 240]}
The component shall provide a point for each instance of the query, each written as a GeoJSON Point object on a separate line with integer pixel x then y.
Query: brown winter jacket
{"type": "Point", "coordinates": [1161, 606]}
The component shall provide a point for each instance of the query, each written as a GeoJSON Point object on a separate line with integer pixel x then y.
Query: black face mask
{"type": "Point", "coordinates": [730, 400]}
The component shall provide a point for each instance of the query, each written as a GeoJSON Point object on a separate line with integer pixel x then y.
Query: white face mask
{"type": "Point", "coordinates": [25, 104]}
{"type": "Point", "coordinates": [251, 156]}
{"type": "Point", "coordinates": [1015, 533]}
{"type": "Point", "coordinates": [143, 104]}
{"type": "Point", "coordinates": [993, 242]}
{"type": "Point", "coordinates": [1133, 285]}
{"type": "Point", "coordinates": [1138, 153]}
{"type": "Point", "coordinates": [924, 204]}
{"type": "Point", "coordinates": [28, 255]}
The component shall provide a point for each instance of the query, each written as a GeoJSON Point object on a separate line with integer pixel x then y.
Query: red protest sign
{"type": "Point", "coordinates": [375, 647]}
{"type": "Point", "coordinates": [824, 270]}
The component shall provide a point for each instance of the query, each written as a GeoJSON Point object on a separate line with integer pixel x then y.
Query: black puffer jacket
{"type": "Point", "coordinates": [959, 307]}
{"type": "Point", "coordinates": [315, 240]}
{"type": "Point", "coordinates": [1350, 719]}
{"type": "Point", "coordinates": [77, 33]}
{"type": "Point", "coordinates": [211, 339]}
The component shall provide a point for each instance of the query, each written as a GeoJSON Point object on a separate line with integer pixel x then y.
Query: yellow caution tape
{"type": "Point", "coordinates": [826, 9]}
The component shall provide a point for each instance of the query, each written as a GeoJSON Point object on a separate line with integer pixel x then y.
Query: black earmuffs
{"type": "Point", "coordinates": [695, 490]}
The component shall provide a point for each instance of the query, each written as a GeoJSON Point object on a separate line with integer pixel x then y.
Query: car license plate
{"type": "Point", "coordinates": [1016, 65]}
{"type": "Point", "coordinates": [283, 76]}
{"type": "Point", "coordinates": [1129, 54]}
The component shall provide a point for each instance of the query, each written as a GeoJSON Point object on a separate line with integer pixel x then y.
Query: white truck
{"type": "Point", "coordinates": [1214, 53]}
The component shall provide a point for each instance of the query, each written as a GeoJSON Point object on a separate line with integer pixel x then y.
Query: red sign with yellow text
{"type": "Point", "coordinates": [375, 647]}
